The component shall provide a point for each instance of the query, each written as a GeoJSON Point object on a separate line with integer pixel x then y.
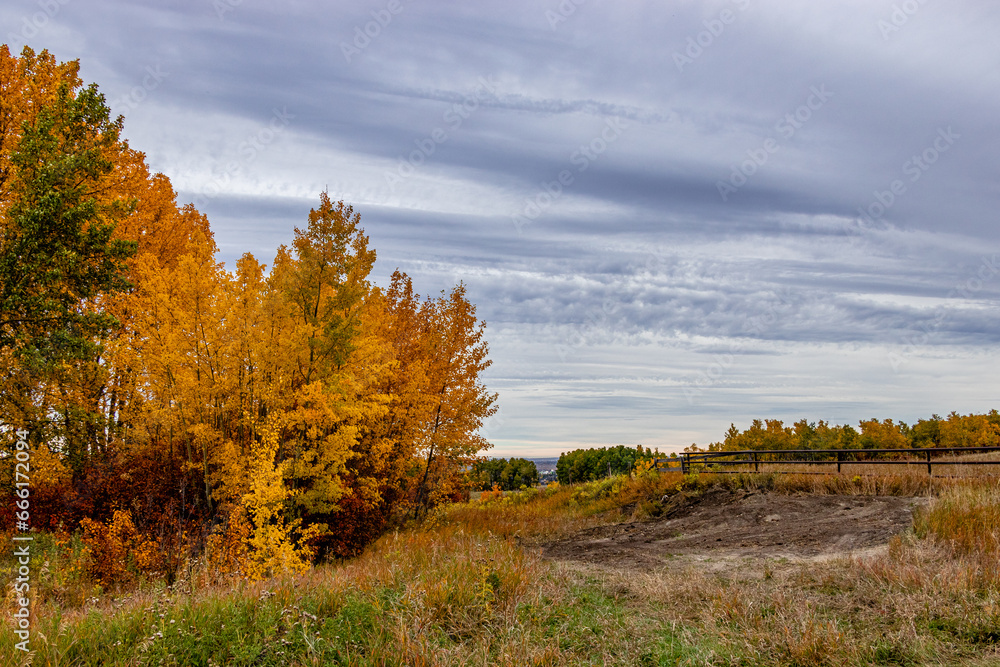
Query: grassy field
{"type": "Point", "coordinates": [468, 587]}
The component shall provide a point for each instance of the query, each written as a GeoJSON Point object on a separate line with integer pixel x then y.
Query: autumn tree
{"type": "Point", "coordinates": [301, 407]}
{"type": "Point", "coordinates": [970, 430]}
{"type": "Point", "coordinates": [78, 211]}
{"type": "Point", "coordinates": [884, 434]}
{"type": "Point", "coordinates": [61, 262]}
{"type": "Point", "coordinates": [454, 401]}
{"type": "Point", "coordinates": [925, 433]}
{"type": "Point", "coordinates": [330, 364]}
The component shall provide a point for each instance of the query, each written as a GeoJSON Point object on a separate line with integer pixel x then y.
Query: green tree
{"type": "Point", "coordinates": [58, 259]}
{"type": "Point", "coordinates": [582, 465]}
{"type": "Point", "coordinates": [61, 260]}
{"type": "Point", "coordinates": [509, 475]}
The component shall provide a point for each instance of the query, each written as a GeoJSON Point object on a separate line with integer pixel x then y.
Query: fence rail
{"type": "Point", "coordinates": [924, 456]}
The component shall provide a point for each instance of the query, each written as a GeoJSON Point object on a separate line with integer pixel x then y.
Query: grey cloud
{"type": "Point", "coordinates": [638, 275]}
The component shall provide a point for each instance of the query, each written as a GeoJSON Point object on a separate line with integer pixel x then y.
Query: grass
{"type": "Point", "coordinates": [468, 588]}
{"type": "Point", "coordinates": [967, 518]}
{"type": "Point", "coordinates": [915, 466]}
{"type": "Point", "coordinates": [906, 483]}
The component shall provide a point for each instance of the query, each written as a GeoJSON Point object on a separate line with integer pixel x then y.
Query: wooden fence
{"type": "Point", "coordinates": [778, 460]}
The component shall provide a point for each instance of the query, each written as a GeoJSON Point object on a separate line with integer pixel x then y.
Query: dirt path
{"type": "Point", "coordinates": [724, 524]}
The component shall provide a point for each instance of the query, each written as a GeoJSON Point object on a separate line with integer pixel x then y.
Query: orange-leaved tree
{"type": "Point", "coordinates": [455, 402]}
{"type": "Point", "coordinates": [163, 392]}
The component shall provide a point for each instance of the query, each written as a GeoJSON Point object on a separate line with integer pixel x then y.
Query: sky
{"type": "Point", "coordinates": [672, 216]}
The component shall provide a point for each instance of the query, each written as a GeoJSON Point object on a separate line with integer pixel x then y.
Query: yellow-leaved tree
{"type": "Point", "coordinates": [276, 544]}
{"type": "Point", "coordinates": [288, 412]}
{"type": "Point", "coordinates": [331, 365]}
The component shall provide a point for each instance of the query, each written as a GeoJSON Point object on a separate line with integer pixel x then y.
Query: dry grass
{"type": "Point", "coordinates": [915, 467]}
{"type": "Point", "coordinates": [906, 483]}
{"type": "Point", "coordinates": [967, 518]}
{"type": "Point", "coordinates": [908, 607]}
{"type": "Point", "coordinates": [462, 589]}
{"type": "Point", "coordinates": [560, 510]}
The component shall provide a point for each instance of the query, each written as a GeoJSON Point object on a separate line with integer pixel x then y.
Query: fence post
{"type": "Point", "coordinates": [756, 467]}
{"type": "Point", "coordinates": [929, 462]}
{"type": "Point", "coordinates": [684, 463]}
{"type": "Point", "coordinates": [840, 456]}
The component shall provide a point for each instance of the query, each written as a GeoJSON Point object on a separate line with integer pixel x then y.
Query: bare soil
{"type": "Point", "coordinates": [721, 524]}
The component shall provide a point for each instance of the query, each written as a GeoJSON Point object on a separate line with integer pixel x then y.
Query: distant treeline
{"type": "Point", "coordinates": [583, 465]}
{"type": "Point", "coordinates": [509, 474]}
{"type": "Point", "coordinates": [955, 430]}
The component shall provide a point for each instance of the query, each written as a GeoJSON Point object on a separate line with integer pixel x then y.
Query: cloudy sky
{"type": "Point", "coordinates": [671, 215]}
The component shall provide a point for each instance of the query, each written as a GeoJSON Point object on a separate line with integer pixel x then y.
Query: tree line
{"type": "Point", "coordinates": [506, 474]}
{"type": "Point", "coordinates": [261, 416]}
{"type": "Point", "coordinates": [955, 430]}
{"type": "Point", "coordinates": [584, 465]}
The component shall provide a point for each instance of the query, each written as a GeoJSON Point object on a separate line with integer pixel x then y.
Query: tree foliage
{"type": "Point", "coordinates": [584, 465]}
{"type": "Point", "coordinates": [265, 417]}
{"type": "Point", "coordinates": [58, 256]}
{"type": "Point", "coordinates": [972, 430]}
{"type": "Point", "coordinates": [507, 474]}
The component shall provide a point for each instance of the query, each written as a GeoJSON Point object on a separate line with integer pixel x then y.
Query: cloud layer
{"type": "Point", "coordinates": [672, 217]}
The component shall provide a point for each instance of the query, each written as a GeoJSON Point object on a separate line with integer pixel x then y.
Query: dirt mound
{"type": "Point", "coordinates": [722, 523]}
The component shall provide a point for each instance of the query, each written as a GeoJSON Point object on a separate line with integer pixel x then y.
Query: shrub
{"type": "Point", "coordinates": [117, 551]}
